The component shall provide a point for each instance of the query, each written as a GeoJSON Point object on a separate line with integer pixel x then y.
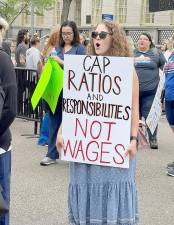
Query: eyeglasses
{"type": "Point", "coordinates": [66, 34]}
{"type": "Point", "coordinates": [102, 34]}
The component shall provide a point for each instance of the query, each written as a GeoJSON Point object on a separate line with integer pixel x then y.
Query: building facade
{"type": "Point", "coordinates": [132, 14]}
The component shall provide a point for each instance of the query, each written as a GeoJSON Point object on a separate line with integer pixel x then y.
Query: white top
{"type": "Point", "coordinates": [2, 151]}
{"type": "Point", "coordinates": [167, 54]}
{"type": "Point", "coordinates": [32, 58]}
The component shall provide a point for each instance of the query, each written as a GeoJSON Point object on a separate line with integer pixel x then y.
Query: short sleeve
{"type": "Point", "coordinates": [81, 50]}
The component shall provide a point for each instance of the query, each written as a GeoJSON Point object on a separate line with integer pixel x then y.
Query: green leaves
{"type": "Point", "coordinates": [10, 9]}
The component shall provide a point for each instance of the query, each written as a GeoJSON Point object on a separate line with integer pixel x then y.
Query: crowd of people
{"type": "Point", "coordinates": [96, 194]}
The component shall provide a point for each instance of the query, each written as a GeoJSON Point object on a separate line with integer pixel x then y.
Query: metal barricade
{"type": "Point", "coordinates": [26, 82]}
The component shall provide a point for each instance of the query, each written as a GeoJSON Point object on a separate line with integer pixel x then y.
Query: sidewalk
{"type": "Point", "coordinates": [39, 194]}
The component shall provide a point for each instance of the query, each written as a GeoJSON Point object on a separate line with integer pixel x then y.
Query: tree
{"type": "Point", "coordinates": [65, 10]}
{"type": "Point", "coordinates": [11, 9]}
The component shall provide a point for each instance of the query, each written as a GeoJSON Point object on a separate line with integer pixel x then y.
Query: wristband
{"type": "Point", "coordinates": [134, 138]}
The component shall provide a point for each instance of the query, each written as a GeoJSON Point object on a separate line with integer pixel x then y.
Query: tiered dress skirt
{"type": "Point", "coordinates": [100, 195]}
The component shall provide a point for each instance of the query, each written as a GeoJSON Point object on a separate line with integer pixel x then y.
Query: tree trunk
{"type": "Point", "coordinates": [65, 10]}
{"type": "Point", "coordinates": [77, 12]}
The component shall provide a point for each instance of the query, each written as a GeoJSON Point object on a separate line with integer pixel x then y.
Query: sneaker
{"type": "Point", "coordinates": [153, 144]}
{"type": "Point", "coordinates": [47, 161]}
{"type": "Point", "coordinates": [170, 165]}
{"type": "Point", "coordinates": [163, 113]}
{"type": "Point", "coordinates": [170, 172]}
{"type": "Point", "coordinates": [44, 144]}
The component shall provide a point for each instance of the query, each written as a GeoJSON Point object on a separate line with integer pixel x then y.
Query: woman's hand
{"type": "Point", "coordinates": [59, 142]}
{"type": "Point", "coordinates": [58, 60]}
{"type": "Point", "coordinates": [132, 149]}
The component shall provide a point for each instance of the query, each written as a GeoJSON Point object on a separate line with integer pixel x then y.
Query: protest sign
{"type": "Point", "coordinates": [97, 98]}
{"type": "Point", "coordinates": [156, 109]}
{"type": "Point", "coordinates": [49, 86]}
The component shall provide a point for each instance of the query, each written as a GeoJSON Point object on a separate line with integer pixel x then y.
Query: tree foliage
{"type": "Point", "coordinates": [10, 9]}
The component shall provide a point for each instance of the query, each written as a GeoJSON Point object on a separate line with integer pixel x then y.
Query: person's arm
{"type": "Point", "coordinates": [59, 140]}
{"type": "Point", "coordinates": [9, 112]}
{"type": "Point", "coordinates": [132, 148]}
{"type": "Point", "coordinates": [39, 67]}
{"type": "Point", "coordinates": [22, 55]}
{"type": "Point", "coordinates": [2, 97]}
{"type": "Point", "coordinates": [58, 59]}
{"type": "Point", "coordinates": [55, 55]}
{"type": "Point", "coordinates": [10, 90]}
{"type": "Point", "coordinates": [162, 60]}
{"type": "Point", "coordinates": [36, 59]}
{"type": "Point", "coordinates": [22, 59]}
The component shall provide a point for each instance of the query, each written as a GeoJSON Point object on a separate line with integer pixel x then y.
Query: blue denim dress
{"type": "Point", "coordinates": [100, 195]}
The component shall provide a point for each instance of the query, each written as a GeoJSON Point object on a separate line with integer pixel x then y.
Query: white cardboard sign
{"type": "Point", "coordinates": [155, 111]}
{"type": "Point", "coordinates": [97, 99]}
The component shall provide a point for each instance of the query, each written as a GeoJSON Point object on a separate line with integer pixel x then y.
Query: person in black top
{"type": "Point", "coordinates": [6, 46]}
{"type": "Point", "coordinates": [8, 109]}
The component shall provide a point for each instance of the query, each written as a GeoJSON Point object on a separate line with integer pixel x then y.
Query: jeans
{"type": "Point", "coordinates": [145, 102]}
{"type": "Point", "coordinates": [169, 106]}
{"type": "Point", "coordinates": [5, 174]}
{"type": "Point", "coordinates": [44, 131]}
{"type": "Point", "coordinates": [54, 124]}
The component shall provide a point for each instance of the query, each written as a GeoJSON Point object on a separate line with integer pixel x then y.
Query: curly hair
{"type": "Point", "coordinates": [120, 45]}
{"type": "Point", "coordinates": [52, 42]}
{"type": "Point", "coordinates": [3, 28]}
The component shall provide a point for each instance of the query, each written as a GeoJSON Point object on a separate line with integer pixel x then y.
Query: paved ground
{"type": "Point", "coordinates": [39, 194]}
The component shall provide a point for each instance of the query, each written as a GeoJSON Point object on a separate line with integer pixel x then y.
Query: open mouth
{"type": "Point", "coordinates": [98, 45]}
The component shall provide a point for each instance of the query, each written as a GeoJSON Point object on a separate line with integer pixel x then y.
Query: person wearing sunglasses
{"type": "Point", "coordinates": [99, 194]}
{"type": "Point", "coordinates": [69, 43]}
{"type": "Point", "coordinates": [102, 34]}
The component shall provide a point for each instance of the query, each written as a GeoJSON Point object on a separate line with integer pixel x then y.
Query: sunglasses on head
{"type": "Point", "coordinates": [102, 34]}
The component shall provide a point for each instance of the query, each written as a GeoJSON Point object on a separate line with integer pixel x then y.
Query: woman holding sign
{"type": "Point", "coordinates": [69, 43]}
{"type": "Point", "coordinates": [100, 194]}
